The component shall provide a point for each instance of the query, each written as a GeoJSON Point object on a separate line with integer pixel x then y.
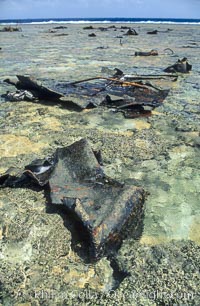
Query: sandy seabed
{"type": "Point", "coordinates": [41, 264]}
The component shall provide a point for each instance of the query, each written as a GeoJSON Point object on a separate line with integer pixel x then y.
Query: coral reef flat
{"type": "Point", "coordinates": [43, 261]}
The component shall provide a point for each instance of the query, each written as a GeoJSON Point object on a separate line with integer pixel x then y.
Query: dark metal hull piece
{"type": "Point", "coordinates": [181, 66]}
{"type": "Point", "coordinates": [107, 209]}
{"type": "Point", "coordinates": [84, 94]}
{"type": "Point", "coordinates": [150, 53]}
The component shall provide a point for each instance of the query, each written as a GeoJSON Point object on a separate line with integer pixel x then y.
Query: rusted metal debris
{"type": "Point", "coordinates": [92, 35]}
{"type": "Point", "coordinates": [10, 29]}
{"type": "Point", "coordinates": [153, 52]}
{"type": "Point", "coordinates": [180, 66]}
{"type": "Point", "coordinates": [153, 32]}
{"type": "Point", "coordinates": [131, 32]}
{"type": "Point", "coordinates": [35, 87]}
{"type": "Point", "coordinates": [158, 31]}
{"type": "Point", "coordinates": [149, 53]}
{"type": "Point", "coordinates": [74, 178]}
{"type": "Point", "coordinates": [95, 92]}
{"type": "Point", "coordinates": [20, 95]}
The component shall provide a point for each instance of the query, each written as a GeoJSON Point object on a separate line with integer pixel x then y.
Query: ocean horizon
{"type": "Point", "coordinates": [100, 20]}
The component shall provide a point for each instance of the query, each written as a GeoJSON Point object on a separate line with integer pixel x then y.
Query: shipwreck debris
{"type": "Point", "coordinates": [154, 32]}
{"type": "Point", "coordinates": [131, 32]}
{"type": "Point", "coordinates": [103, 29]}
{"type": "Point", "coordinates": [149, 53]}
{"type": "Point", "coordinates": [145, 77]}
{"type": "Point", "coordinates": [37, 89]}
{"type": "Point", "coordinates": [60, 28]}
{"type": "Point", "coordinates": [19, 95]}
{"type": "Point", "coordinates": [180, 66]}
{"type": "Point", "coordinates": [73, 177]}
{"type": "Point", "coordinates": [61, 34]}
{"type": "Point", "coordinates": [88, 27]}
{"type": "Point", "coordinates": [168, 49]}
{"type": "Point", "coordinates": [10, 29]}
{"type": "Point", "coordinates": [92, 35]}
{"type": "Point", "coordinates": [94, 92]}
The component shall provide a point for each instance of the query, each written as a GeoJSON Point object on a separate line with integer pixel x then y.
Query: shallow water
{"type": "Point", "coordinates": [160, 152]}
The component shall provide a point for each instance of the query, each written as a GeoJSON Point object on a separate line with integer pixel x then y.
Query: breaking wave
{"type": "Point", "coordinates": [100, 20]}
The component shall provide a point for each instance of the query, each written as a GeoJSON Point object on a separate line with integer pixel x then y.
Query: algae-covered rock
{"type": "Point", "coordinates": [163, 274]}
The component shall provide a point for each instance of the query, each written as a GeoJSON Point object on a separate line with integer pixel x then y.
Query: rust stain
{"type": "Point", "coordinates": [97, 230]}
{"type": "Point", "coordinates": [55, 189]}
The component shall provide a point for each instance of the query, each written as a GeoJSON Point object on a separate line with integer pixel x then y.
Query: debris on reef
{"type": "Point", "coordinates": [152, 52]}
{"type": "Point", "coordinates": [113, 91]}
{"type": "Point", "coordinates": [60, 28]}
{"type": "Point", "coordinates": [88, 27]}
{"type": "Point", "coordinates": [154, 32]}
{"type": "Point", "coordinates": [131, 32]}
{"type": "Point", "coordinates": [107, 209]}
{"type": "Point", "coordinates": [180, 66]}
{"type": "Point", "coordinates": [37, 89]}
{"type": "Point", "coordinates": [10, 29]}
{"type": "Point", "coordinates": [92, 35]}
{"type": "Point", "coordinates": [19, 95]}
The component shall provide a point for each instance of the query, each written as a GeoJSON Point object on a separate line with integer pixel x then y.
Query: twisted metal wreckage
{"type": "Point", "coordinates": [74, 176]}
{"type": "Point", "coordinates": [134, 96]}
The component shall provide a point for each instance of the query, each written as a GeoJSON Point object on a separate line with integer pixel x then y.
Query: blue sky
{"type": "Point", "coordinates": [10, 9]}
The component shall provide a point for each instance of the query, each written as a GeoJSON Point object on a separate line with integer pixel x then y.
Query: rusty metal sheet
{"type": "Point", "coordinates": [105, 206]}
{"type": "Point", "coordinates": [92, 92]}
{"type": "Point", "coordinates": [107, 209]}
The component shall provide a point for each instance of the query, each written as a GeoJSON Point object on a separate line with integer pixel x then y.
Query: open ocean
{"type": "Point", "coordinates": [101, 20]}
